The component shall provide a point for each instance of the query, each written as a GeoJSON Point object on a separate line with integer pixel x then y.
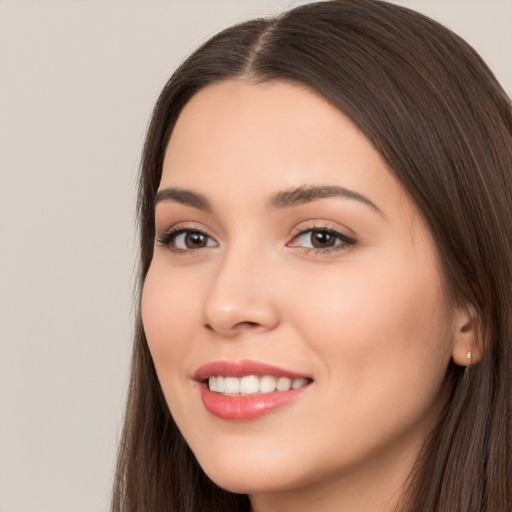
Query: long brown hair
{"type": "Point", "coordinates": [436, 113]}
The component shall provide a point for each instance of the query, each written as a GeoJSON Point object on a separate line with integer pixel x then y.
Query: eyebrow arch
{"type": "Point", "coordinates": [307, 194]}
{"type": "Point", "coordinates": [185, 197]}
{"type": "Point", "coordinates": [283, 199]}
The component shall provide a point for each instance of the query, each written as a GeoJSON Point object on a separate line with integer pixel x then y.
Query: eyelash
{"type": "Point", "coordinates": [169, 236]}
{"type": "Point", "coordinates": [345, 242]}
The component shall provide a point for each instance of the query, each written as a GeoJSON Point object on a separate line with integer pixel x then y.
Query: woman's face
{"type": "Point", "coordinates": [288, 254]}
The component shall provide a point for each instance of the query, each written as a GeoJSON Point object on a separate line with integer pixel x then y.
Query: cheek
{"type": "Point", "coordinates": [168, 309]}
{"type": "Point", "coordinates": [169, 313]}
{"type": "Point", "coordinates": [380, 342]}
{"type": "Point", "coordinates": [380, 323]}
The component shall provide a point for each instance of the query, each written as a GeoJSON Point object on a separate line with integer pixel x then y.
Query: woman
{"type": "Point", "coordinates": [325, 315]}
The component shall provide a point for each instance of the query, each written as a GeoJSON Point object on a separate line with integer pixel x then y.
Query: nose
{"type": "Point", "coordinates": [240, 298]}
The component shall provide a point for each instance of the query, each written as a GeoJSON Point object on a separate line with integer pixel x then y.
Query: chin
{"type": "Point", "coordinates": [248, 476]}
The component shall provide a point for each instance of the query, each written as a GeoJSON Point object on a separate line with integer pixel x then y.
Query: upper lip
{"type": "Point", "coordinates": [243, 368]}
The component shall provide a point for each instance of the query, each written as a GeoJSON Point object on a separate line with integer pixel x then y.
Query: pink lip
{"type": "Point", "coordinates": [242, 368]}
{"type": "Point", "coordinates": [249, 407]}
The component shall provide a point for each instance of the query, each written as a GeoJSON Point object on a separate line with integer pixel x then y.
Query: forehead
{"type": "Point", "coordinates": [273, 114]}
{"type": "Point", "coordinates": [255, 139]}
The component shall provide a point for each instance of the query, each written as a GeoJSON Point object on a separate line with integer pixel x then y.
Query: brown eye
{"type": "Point", "coordinates": [322, 239]}
{"type": "Point", "coordinates": [195, 240]}
{"type": "Point", "coordinates": [187, 240]}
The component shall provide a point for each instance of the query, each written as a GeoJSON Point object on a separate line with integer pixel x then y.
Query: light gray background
{"type": "Point", "coordinates": [77, 83]}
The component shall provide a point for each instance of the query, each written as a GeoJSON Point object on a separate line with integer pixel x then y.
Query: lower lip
{"type": "Point", "coordinates": [248, 407]}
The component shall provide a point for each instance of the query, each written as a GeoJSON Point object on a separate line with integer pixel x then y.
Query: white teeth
{"type": "Point", "coordinates": [267, 384]}
{"type": "Point", "coordinates": [296, 383]}
{"type": "Point", "coordinates": [251, 384]}
{"type": "Point", "coordinates": [284, 384]}
{"type": "Point", "coordinates": [231, 385]}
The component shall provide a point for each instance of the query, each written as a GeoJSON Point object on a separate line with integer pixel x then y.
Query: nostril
{"type": "Point", "coordinates": [240, 326]}
{"type": "Point", "coordinates": [247, 325]}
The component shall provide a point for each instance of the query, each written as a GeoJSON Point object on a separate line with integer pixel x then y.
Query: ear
{"type": "Point", "coordinates": [468, 340]}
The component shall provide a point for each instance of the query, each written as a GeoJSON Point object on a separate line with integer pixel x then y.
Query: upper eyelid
{"type": "Point", "coordinates": [165, 236]}
{"type": "Point", "coordinates": [335, 232]}
{"type": "Point", "coordinates": [325, 226]}
{"type": "Point", "coordinates": [299, 229]}
{"type": "Point", "coordinates": [185, 226]}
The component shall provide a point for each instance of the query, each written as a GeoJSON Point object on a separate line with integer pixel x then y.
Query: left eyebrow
{"type": "Point", "coordinates": [307, 194]}
{"type": "Point", "coordinates": [185, 197]}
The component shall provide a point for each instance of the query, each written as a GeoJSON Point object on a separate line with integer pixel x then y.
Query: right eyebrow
{"type": "Point", "coordinates": [307, 194]}
{"type": "Point", "coordinates": [185, 197]}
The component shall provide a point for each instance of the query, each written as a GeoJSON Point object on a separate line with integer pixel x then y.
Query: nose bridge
{"type": "Point", "coordinates": [238, 297]}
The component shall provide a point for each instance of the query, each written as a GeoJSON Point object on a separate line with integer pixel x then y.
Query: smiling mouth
{"type": "Point", "coordinates": [247, 390]}
{"type": "Point", "coordinates": [253, 384]}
